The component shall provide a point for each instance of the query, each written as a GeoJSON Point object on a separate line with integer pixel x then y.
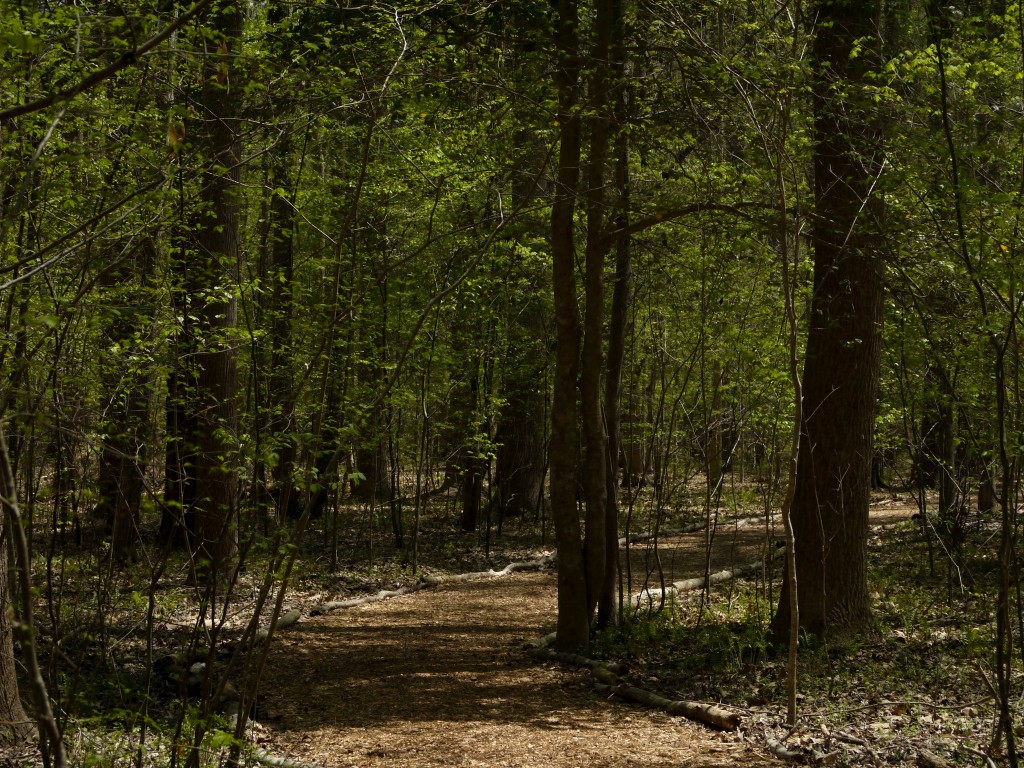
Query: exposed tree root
{"type": "Point", "coordinates": [989, 762]}
{"type": "Point", "coordinates": [781, 751]}
{"type": "Point", "coordinates": [545, 642]}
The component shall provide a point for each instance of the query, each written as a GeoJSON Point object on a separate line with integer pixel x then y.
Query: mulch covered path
{"type": "Point", "coordinates": [439, 678]}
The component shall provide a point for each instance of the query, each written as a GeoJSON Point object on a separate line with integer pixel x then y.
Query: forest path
{"type": "Point", "coordinates": [439, 678]}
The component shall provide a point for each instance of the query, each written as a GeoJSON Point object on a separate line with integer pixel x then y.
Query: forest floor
{"type": "Point", "coordinates": [441, 678]}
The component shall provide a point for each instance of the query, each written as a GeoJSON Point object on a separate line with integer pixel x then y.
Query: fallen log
{"type": "Point", "coordinates": [427, 582]}
{"type": "Point", "coordinates": [285, 620]}
{"type": "Point", "coordinates": [708, 714]}
{"type": "Point", "coordinates": [637, 538]}
{"type": "Point", "coordinates": [263, 757]}
{"type": "Point", "coordinates": [651, 596]}
{"type": "Point", "coordinates": [384, 594]}
{"type": "Point", "coordinates": [926, 759]}
{"type": "Point", "coordinates": [536, 564]}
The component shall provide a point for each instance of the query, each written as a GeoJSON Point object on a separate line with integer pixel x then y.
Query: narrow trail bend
{"type": "Point", "coordinates": [439, 678]}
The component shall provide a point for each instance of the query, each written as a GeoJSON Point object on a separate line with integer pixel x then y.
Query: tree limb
{"type": "Point", "coordinates": [735, 209]}
{"type": "Point", "coordinates": [126, 59]}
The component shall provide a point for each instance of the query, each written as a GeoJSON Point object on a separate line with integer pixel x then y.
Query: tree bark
{"type": "Point", "coordinates": [573, 616]}
{"type": "Point", "coordinates": [519, 466]}
{"type": "Point", "coordinates": [607, 603]}
{"type": "Point", "coordinates": [280, 399]}
{"type": "Point", "coordinates": [520, 433]}
{"type": "Point", "coordinates": [216, 249]}
{"type": "Point", "coordinates": [841, 369]}
{"type": "Point", "coordinates": [372, 463]}
{"type": "Point", "coordinates": [16, 728]}
{"type": "Point", "coordinates": [124, 452]}
{"type": "Point", "coordinates": [592, 361]}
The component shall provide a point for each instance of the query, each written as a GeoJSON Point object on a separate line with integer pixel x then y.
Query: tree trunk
{"type": "Point", "coordinates": [607, 603]}
{"type": "Point", "coordinates": [573, 616]}
{"type": "Point", "coordinates": [16, 728]}
{"type": "Point", "coordinates": [280, 399]}
{"type": "Point", "coordinates": [947, 464]}
{"type": "Point", "coordinates": [216, 252]}
{"type": "Point", "coordinates": [471, 490]}
{"type": "Point", "coordinates": [841, 369]}
{"type": "Point", "coordinates": [519, 466]}
{"type": "Point", "coordinates": [372, 464]}
{"type": "Point", "coordinates": [122, 465]}
{"type": "Point", "coordinates": [124, 452]}
{"type": "Point", "coordinates": [595, 452]}
{"type": "Point", "coordinates": [177, 521]}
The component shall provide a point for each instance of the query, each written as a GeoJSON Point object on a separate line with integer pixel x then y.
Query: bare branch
{"type": "Point", "coordinates": [735, 209]}
{"type": "Point", "coordinates": [126, 59]}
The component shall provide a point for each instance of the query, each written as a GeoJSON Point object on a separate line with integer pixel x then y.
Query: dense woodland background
{"type": "Point", "coordinates": [283, 282]}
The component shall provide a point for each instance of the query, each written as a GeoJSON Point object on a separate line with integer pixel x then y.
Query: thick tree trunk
{"type": "Point", "coordinates": [177, 520]}
{"type": "Point", "coordinates": [830, 507]}
{"type": "Point", "coordinates": [280, 399]}
{"type": "Point", "coordinates": [471, 465]}
{"type": "Point", "coordinates": [14, 541]}
{"type": "Point", "coordinates": [122, 465]}
{"type": "Point", "coordinates": [471, 490]}
{"type": "Point", "coordinates": [573, 616]}
{"type": "Point", "coordinates": [217, 253]}
{"type": "Point", "coordinates": [519, 467]}
{"type": "Point", "coordinates": [372, 463]}
{"type": "Point", "coordinates": [520, 433]}
{"type": "Point", "coordinates": [124, 453]}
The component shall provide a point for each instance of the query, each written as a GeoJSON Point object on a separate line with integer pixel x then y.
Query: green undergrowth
{"type": "Point", "coordinates": [116, 644]}
{"type": "Point", "coordinates": [920, 675]}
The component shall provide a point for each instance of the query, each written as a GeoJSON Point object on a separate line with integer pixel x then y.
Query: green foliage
{"type": "Point", "coordinates": [393, 282]}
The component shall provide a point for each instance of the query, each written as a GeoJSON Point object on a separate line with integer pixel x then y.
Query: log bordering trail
{"type": "Point", "coordinates": [607, 680]}
{"type": "Point", "coordinates": [539, 563]}
{"type": "Point", "coordinates": [710, 714]}
{"type": "Point", "coordinates": [650, 596]}
{"type": "Point", "coordinates": [606, 674]}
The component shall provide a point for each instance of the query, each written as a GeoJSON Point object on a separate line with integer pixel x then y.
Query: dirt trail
{"type": "Point", "coordinates": [439, 678]}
